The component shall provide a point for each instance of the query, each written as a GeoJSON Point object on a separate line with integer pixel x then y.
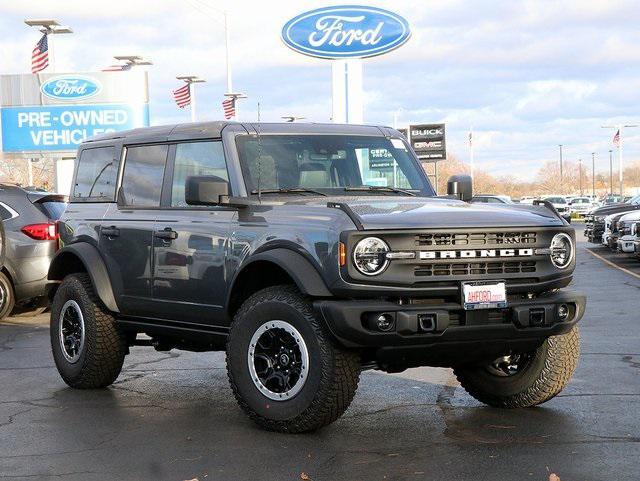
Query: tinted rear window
{"type": "Point", "coordinates": [96, 175]}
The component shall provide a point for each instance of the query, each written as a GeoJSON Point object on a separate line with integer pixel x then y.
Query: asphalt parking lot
{"type": "Point", "coordinates": [172, 416]}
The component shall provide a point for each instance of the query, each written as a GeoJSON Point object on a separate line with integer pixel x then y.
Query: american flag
{"type": "Point", "coordinates": [40, 55]}
{"type": "Point", "coordinates": [616, 138]}
{"type": "Point", "coordinates": [117, 68]}
{"type": "Point", "coordinates": [229, 107]}
{"type": "Point", "coordinates": [182, 96]}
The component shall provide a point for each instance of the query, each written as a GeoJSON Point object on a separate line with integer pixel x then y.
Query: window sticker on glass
{"type": "Point", "coordinates": [398, 144]}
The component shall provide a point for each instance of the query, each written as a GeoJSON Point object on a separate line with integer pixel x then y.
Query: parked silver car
{"type": "Point", "coordinates": [29, 219]}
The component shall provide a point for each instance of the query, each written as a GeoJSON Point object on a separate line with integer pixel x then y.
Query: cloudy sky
{"type": "Point", "coordinates": [527, 75]}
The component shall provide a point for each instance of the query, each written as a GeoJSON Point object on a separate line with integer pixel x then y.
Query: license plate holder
{"type": "Point", "coordinates": [484, 295]}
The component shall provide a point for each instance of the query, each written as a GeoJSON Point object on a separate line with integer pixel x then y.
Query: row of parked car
{"type": "Point", "coordinates": [30, 239]}
{"type": "Point", "coordinates": [565, 205]}
{"type": "Point", "coordinates": [616, 226]}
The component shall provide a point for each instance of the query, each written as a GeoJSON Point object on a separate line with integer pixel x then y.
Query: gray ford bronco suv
{"type": "Point", "coordinates": [307, 252]}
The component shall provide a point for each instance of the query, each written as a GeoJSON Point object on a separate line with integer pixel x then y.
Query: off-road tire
{"type": "Point", "coordinates": [547, 373]}
{"type": "Point", "coordinates": [105, 345]}
{"type": "Point", "coordinates": [9, 299]}
{"type": "Point", "coordinates": [333, 373]}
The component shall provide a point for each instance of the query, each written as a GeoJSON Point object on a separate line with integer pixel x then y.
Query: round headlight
{"type": "Point", "coordinates": [369, 256]}
{"type": "Point", "coordinates": [561, 250]}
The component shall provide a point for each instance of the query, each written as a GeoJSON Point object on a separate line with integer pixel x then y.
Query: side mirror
{"type": "Point", "coordinates": [205, 190]}
{"type": "Point", "coordinates": [460, 186]}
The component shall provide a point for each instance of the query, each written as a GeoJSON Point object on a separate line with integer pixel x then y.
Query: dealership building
{"type": "Point", "coordinates": [44, 117]}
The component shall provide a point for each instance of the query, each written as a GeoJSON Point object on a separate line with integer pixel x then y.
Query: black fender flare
{"type": "Point", "coordinates": [306, 277]}
{"type": "Point", "coordinates": [93, 263]}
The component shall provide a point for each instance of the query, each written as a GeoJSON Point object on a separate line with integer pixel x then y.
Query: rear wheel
{"type": "Point", "coordinates": [7, 296]}
{"type": "Point", "coordinates": [524, 379]}
{"type": "Point", "coordinates": [88, 348]}
{"type": "Point", "coordinates": [286, 372]}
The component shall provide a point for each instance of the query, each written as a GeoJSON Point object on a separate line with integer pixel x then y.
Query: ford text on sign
{"type": "Point", "coordinates": [71, 87]}
{"type": "Point", "coordinates": [64, 127]}
{"type": "Point", "coordinates": [346, 32]}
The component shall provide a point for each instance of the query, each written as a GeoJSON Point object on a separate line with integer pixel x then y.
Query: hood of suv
{"type": "Point", "coordinates": [614, 209]}
{"type": "Point", "coordinates": [386, 212]}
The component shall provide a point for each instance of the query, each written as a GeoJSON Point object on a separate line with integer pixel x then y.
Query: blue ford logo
{"type": "Point", "coordinates": [70, 87]}
{"type": "Point", "coordinates": [346, 32]}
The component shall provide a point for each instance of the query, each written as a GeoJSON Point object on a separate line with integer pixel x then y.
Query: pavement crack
{"type": "Point", "coordinates": [171, 355]}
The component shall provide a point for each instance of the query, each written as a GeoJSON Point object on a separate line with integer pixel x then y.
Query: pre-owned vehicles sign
{"type": "Point", "coordinates": [28, 129]}
{"type": "Point", "coordinates": [56, 112]}
{"type": "Point", "coordinates": [346, 32]}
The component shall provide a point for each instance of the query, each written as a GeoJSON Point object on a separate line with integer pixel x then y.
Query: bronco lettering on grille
{"type": "Point", "coordinates": [469, 254]}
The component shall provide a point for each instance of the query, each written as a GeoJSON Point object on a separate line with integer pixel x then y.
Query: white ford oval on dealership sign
{"type": "Point", "coordinates": [346, 32]}
{"type": "Point", "coordinates": [71, 87]}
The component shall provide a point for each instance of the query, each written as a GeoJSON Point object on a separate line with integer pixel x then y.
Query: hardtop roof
{"type": "Point", "coordinates": [214, 129]}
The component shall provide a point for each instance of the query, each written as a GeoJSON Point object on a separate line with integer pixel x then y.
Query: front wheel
{"type": "Point", "coordinates": [88, 348]}
{"type": "Point", "coordinates": [524, 379]}
{"type": "Point", "coordinates": [286, 372]}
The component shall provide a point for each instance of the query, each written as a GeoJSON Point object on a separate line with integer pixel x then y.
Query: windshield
{"type": "Point", "coordinates": [556, 200]}
{"type": "Point", "coordinates": [330, 164]}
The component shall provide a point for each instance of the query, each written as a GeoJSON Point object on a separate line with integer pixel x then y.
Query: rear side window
{"type": "Point", "coordinates": [143, 174]}
{"type": "Point", "coordinates": [7, 212]}
{"type": "Point", "coordinates": [195, 159]}
{"type": "Point", "coordinates": [96, 175]}
{"type": "Point", "coordinates": [52, 209]}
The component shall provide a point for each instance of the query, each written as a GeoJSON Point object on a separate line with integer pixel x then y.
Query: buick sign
{"type": "Point", "coordinates": [70, 87]}
{"type": "Point", "coordinates": [345, 32]}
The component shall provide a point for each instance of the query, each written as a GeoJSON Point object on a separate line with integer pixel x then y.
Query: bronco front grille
{"type": "Point", "coordinates": [476, 239]}
{"type": "Point", "coordinates": [474, 268]}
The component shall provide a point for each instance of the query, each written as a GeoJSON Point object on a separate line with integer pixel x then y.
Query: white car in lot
{"type": "Point", "coordinates": [581, 205]}
{"type": "Point", "coordinates": [561, 205]}
{"type": "Point", "coordinates": [627, 235]}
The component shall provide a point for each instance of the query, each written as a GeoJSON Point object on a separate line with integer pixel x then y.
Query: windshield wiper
{"type": "Point", "coordinates": [292, 190]}
{"type": "Point", "coordinates": [379, 188]}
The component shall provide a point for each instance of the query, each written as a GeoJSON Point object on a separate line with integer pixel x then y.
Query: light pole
{"type": "Point", "coordinates": [580, 169]}
{"type": "Point", "coordinates": [192, 79]}
{"type": "Point", "coordinates": [561, 173]}
{"type": "Point", "coordinates": [611, 172]}
{"type": "Point", "coordinates": [620, 128]}
{"type": "Point", "coordinates": [133, 60]}
{"type": "Point", "coordinates": [593, 174]}
{"type": "Point", "coordinates": [50, 28]}
{"type": "Point", "coordinates": [291, 118]}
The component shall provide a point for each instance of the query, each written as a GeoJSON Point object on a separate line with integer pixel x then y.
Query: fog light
{"type": "Point", "coordinates": [563, 312]}
{"type": "Point", "coordinates": [384, 322]}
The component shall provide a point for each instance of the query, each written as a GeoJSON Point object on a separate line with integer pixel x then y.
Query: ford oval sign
{"type": "Point", "coordinates": [70, 87]}
{"type": "Point", "coordinates": [346, 32]}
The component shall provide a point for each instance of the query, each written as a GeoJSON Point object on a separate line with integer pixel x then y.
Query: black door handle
{"type": "Point", "coordinates": [112, 231]}
{"type": "Point", "coordinates": [167, 234]}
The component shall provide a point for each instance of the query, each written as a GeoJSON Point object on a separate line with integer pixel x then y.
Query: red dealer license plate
{"type": "Point", "coordinates": [484, 295]}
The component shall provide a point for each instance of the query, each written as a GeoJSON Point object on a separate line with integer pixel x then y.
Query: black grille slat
{"type": "Point", "coordinates": [476, 239]}
{"type": "Point", "coordinates": [474, 268]}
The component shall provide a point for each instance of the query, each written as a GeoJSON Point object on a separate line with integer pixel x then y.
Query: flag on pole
{"type": "Point", "coordinates": [117, 68]}
{"type": "Point", "coordinates": [182, 96]}
{"type": "Point", "coordinates": [470, 138]}
{"type": "Point", "coordinates": [229, 108]}
{"type": "Point", "coordinates": [40, 55]}
{"type": "Point", "coordinates": [616, 139]}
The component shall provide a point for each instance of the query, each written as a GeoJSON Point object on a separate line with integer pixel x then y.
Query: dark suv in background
{"type": "Point", "coordinates": [308, 252]}
{"type": "Point", "coordinates": [29, 218]}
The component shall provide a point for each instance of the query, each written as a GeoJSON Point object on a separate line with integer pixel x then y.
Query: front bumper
{"type": "Point", "coordinates": [627, 244]}
{"type": "Point", "coordinates": [523, 319]}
